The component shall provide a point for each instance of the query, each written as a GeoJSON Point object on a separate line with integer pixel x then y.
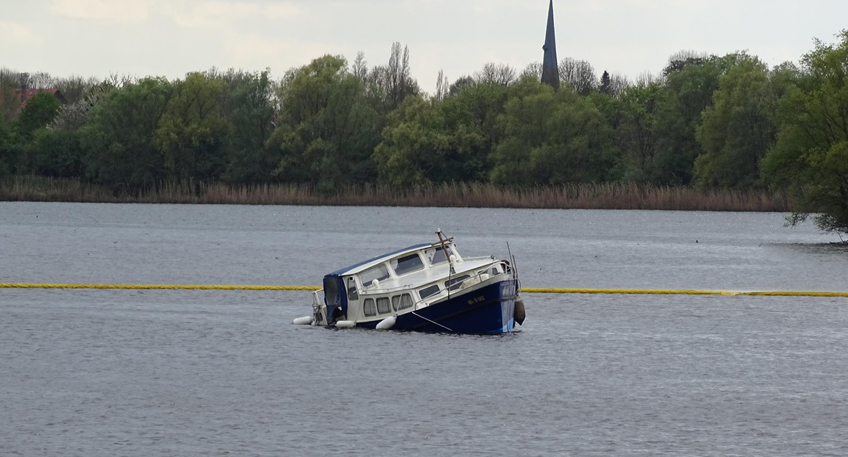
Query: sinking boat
{"type": "Point", "coordinates": [428, 287]}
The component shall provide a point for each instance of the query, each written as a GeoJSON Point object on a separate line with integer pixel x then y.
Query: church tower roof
{"type": "Point", "coordinates": [550, 67]}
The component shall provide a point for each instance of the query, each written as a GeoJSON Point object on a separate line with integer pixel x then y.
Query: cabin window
{"type": "Point", "coordinates": [428, 291]}
{"type": "Point", "coordinates": [492, 271]}
{"type": "Point", "coordinates": [407, 264]}
{"type": "Point", "coordinates": [378, 272]}
{"type": "Point", "coordinates": [437, 255]}
{"type": "Point", "coordinates": [401, 302]}
{"type": "Point", "coordinates": [383, 305]}
{"type": "Point", "coordinates": [352, 292]}
{"type": "Point", "coordinates": [369, 308]}
{"type": "Point", "coordinates": [454, 283]}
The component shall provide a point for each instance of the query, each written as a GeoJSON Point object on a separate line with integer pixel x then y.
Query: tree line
{"type": "Point", "coordinates": [707, 121]}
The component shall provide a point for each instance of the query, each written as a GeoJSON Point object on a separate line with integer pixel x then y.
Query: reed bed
{"type": "Point", "coordinates": [568, 196]}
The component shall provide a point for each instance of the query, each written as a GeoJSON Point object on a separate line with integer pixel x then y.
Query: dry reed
{"type": "Point", "coordinates": [569, 196]}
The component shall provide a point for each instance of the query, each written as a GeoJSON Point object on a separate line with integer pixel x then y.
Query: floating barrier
{"type": "Point", "coordinates": [683, 292]}
{"type": "Point", "coordinates": [151, 287]}
{"type": "Point", "coordinates": [528, 290]}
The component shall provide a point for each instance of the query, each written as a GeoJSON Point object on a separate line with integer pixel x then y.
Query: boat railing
{"type": "Point", "coordinates": [473, 280]}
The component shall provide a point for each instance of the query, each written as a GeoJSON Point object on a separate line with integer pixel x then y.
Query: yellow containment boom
{"type": "Point", "coordinates": [151, 287]}
{"type": "Point", "coordinates": [528, 290]}
{"type": "Point", "coordinates": [681, 292]}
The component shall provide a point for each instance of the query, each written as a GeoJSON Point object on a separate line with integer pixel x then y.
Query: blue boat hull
{"type": "Point", "coordinates": [485, 311]}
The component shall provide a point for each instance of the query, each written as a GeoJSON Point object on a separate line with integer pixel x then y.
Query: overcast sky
{"type": "Point", "coordinates": [172, 37]}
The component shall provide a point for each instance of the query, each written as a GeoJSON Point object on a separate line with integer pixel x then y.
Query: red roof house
{"type": "Point", "coordinates": [26, 94]}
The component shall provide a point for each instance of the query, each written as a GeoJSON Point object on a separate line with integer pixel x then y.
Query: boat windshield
{"type": "Point", "coordinates": [407, 264]}
{"type": "Point", "coordinates": [378, 272]}
{"type": "Point", "coordinates": [437, 255]}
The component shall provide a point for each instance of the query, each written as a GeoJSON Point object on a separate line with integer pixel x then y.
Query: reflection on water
{"type": "Point", "coordinates": [837, 249]}
{"type": "Point", "coordinates": [149, 373]}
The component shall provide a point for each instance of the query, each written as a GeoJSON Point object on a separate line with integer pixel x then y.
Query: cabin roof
{"type": "Point", "coordinates": [438, 272]}
{"type": "Point", "coordinates": [353, 269]}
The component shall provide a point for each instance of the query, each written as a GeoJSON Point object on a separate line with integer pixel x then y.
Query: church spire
{"type": "Point", "coordinates": [550, 69]}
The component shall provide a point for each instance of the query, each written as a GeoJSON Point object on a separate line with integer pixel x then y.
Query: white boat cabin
{"type": "Point", "coordinates": [406, 280]}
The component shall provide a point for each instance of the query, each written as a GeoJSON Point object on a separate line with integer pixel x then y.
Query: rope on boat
{"type": "Point", "coordinates": [432, 322]}
{"type": "Point", "coordinates": [525, 290]}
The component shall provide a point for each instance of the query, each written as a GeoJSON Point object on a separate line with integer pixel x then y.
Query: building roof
{"type": "Point", "coordinates": [550, 64]}
{"type": "Point", "coordinates": [24, 95]}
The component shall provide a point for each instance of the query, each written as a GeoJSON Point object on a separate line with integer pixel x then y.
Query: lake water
{"type": "Point", "coordinates": [150, 373]}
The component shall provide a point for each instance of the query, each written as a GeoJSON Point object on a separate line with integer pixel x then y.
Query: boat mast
{"type": "Point", "coordinates": [445, 251]}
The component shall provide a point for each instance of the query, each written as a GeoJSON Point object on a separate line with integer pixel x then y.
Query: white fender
{"type": "Point", "coordinates": [305, 320]}
{"type": "Point", "coordinates": [387, 323]}
{"type": "Point", "coordinates": [345, 324]}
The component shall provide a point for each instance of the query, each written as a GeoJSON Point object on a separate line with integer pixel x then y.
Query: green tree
{"type": "Point", "coordinates": [688, 91]}
{"type": "Point", "coordinates": [6, 151]}
{"type": "Point", "coordinates": [40, 110]}
{"type": "Point", "coordinates": [414, 143]}
{"type": "Point", "coordinates": [739, 127]}
{"type": "Point", "coordinates": [10, 102]}
{"type": "Point", "coordinates": [192, 133]}
{"type": "Point", "coordinates": [472, 117]}
{"type": "Point", "coordinates": [389, 85]}
{"type": "Point", "coordinates": [550, 138]}
{"type": "Point", "coordinates": [606, 84]}
{"type": "Point", "coordinates": [810, 156]}
{"type": "Point", "coordinates": [447, 141]}
{"type": "Point", "coordinates": [119, 137]}
{"type": "Point", "coordinates": [329, 129]}
{"type": "Point", "coordinates": [461, 84]}
{"type": "Point", "coordinates": [251, 111]}
{"type": "Point", "coordinates": [58, 153]}
{"type": "Point", "coordinates": [636, 132]}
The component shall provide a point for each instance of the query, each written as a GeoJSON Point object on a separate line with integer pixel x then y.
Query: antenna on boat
{"type": "Point", "coordinates": [512, 261]}
{"type": "Point", "coordinates": [444, 250]}
{"type": "Point", "coordinates": [450, 261]}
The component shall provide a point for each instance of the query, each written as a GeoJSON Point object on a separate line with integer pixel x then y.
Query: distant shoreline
{"type": "Point", "coordinates": [623, 196]}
